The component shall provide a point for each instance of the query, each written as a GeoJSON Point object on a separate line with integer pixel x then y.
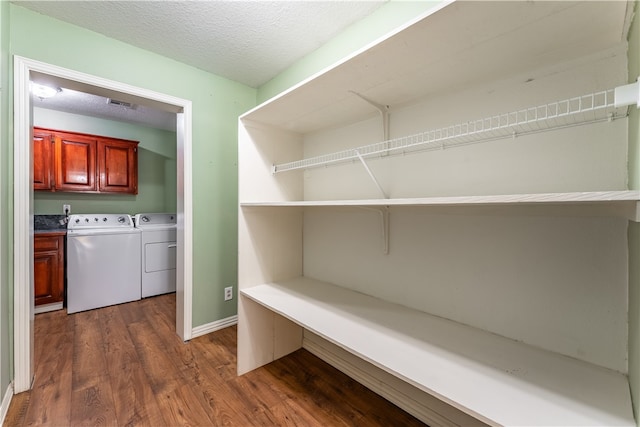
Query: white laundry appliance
{"type": "Point", "coordinates": [103, 261]}
{"type": "Point", "coordinates": [158, 252]}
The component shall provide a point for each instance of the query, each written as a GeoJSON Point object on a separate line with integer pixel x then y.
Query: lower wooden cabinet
{"type": "Point", "coordinates": [48, 268]}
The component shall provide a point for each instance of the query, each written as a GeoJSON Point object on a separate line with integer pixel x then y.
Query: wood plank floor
{"type": "Point", "coordinates": [125, 366]}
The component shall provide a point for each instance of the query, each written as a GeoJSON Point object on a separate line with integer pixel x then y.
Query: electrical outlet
{"type": "Point", "coordinates": [66, 209]}
{"type": "Point", "coordinates": [228, 293]}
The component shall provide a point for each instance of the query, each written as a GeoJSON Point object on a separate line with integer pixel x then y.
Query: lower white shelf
{"type": "Point", "coordinates": [497, 380]}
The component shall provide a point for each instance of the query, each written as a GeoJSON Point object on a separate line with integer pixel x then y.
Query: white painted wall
{"type": "Point", "coordinates": [557, 282]}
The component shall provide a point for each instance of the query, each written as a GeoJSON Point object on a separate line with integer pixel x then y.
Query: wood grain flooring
{"type": "Point", "coordinates": [125, 366]}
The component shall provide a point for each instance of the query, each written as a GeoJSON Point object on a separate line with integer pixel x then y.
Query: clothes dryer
{"type": "Point", "coordinates": [158, 252]}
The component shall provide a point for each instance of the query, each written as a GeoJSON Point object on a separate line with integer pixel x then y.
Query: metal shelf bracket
{"type": "Point", "coordinates": [384, 213]}
{"type": "Point", "coordinates": [384, 112]}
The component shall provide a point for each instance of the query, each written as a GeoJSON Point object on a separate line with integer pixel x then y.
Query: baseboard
{"type": "Point", "coordinates": [47, 308]}
{"type": "Point", "coordinates": [213, 326]}
{"type": "Point", "coordinates": [6, 401]}
{"type": "Point", "coordinates": [425, 407]}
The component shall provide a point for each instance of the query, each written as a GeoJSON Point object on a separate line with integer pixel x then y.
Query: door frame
{"type": "Point", "coordinates": [23, 336]}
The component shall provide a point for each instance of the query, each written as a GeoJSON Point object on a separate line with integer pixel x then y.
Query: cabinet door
{"type": "Point", "coordinates": [42, 161]}
{"type": "Point", "coordinates": [75, 162]}
{"type": "Point", "coordinates": [48, 269]}
{"type": "Point", "coordinates": [118, 166]}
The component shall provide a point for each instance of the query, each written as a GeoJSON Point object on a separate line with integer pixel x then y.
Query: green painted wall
{"type": "Point", "coordinates": [381, 22]}
{"type": "Point", "coordinates": [156, 167]}
{"type": "Point", "coordinates": [634, 227]}
{"type": "Point", "coordinates": [217, 103]}
{"type": "Point", "coordinates": [634, 316]}
{"type": "Point", "coordinates": [6, 207]}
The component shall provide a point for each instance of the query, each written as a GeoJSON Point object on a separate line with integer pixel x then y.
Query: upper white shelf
{"type": "Point", "coordinates": [432, 55]}
{"type": "Point", "coordinates": [498, 380]}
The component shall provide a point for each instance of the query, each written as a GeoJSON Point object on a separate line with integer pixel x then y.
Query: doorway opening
{"type": "Point", "coordinates": [24, 71]}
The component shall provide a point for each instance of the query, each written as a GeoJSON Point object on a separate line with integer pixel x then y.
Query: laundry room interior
{"type": "Point", "coordinates": [155, 178]}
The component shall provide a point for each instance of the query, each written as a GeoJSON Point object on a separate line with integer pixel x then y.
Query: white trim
{"type": "Point", "coordinates": [6, 401]}
{"type": "Point", "coordinates": [23, 67]}
{"type": "Point", "coordinates": [22, 230]}
{"type": "Point", "coordinates": [214, 326]}
{"type": "Point", "coordinates": [45, 308]}
{"type": "Point", "coordinates": [184, 293]}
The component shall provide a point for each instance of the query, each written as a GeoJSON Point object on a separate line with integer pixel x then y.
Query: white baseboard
{"type": "Point", "coordinates": [47, 308]}
{"type": "Point", "coordinates": [6, 401]}
{"type": "Point", "coordinates": [425, 407]}
{"type": "Point", "coordinates": [213, 326]}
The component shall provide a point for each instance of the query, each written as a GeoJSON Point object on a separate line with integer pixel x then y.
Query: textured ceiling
{"type": "Point", "coordinates": [72, 101]}
{"type": "Point", "coordinates": [246, 41]}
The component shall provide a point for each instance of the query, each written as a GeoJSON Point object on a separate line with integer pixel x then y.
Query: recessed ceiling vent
{"type": "Point", "coordinates": [121, 104]}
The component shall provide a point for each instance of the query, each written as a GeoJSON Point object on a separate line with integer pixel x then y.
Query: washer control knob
{"type": "Point", "coordinates": [104, 219]}
{"type": "Point", "coordinates": [121, 219]}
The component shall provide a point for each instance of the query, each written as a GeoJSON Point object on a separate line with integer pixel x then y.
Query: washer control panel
{"type": "Point", "coordinates": [83, 221]}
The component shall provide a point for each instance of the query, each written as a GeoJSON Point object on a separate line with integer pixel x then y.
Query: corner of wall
{"type": "Point", "coordinates": [634, 227]}
{"type": "Point", "coordinates": [6, 180]}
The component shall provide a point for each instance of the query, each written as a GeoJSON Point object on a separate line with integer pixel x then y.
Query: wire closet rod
{"type": "Point", "coordinates": [585, 109]}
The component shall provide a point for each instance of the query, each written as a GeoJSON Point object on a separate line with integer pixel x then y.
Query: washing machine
{"type": "Point", "coordinates": [103, 261]}
{"type": "Point", "coordinates": [158, 252]}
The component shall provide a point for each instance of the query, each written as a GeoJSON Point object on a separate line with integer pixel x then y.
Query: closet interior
{"type": "Point", "coordinates": [445, 216]}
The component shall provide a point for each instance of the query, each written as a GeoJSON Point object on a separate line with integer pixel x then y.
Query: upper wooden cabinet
{"type": "Point", "coordinates": [117, 166]}
{"type": "Point", "coordinates": [42, 161]}
{"type": "Point", "coordinates": [85, 163]}
{"type": "Point", "coordinates": [75, 162]}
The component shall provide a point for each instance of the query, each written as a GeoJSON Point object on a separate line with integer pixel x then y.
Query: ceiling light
{"type": "Point", "coordinates": [42, 91]}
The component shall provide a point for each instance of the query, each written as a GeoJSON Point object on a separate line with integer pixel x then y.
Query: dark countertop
{"type": "Point", "coordinates": [49, 223]}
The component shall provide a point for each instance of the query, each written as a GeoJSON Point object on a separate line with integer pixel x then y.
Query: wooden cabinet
{"type": "Point", "coordinates": [84, 163]}
{"type": "Point", "coordinates": [48, 268]}
{"type": "Point", "coordinates": [75, 162]}
{"type": "Point", "coordinates": [42, 161]}
{"type": "Point", "coordinates": [482, 247]}
{"type": "Point", "coordinates": [117, 166]}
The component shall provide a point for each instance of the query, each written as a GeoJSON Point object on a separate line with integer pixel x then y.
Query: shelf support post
{"type": "Point", "coordinates": [384, 213]}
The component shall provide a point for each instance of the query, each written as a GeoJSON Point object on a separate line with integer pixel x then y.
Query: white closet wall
{"type": "Point", "coordinates": [557, 283]}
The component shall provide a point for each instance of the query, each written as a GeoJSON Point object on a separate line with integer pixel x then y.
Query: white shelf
{"type": "Point", "coordinates": [498, 380]}
{"type": "Point", "coordinates": [599, 197]}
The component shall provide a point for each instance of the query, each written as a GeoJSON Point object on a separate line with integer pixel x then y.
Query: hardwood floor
{"type": "Point", "coordinates": [125, 366]}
